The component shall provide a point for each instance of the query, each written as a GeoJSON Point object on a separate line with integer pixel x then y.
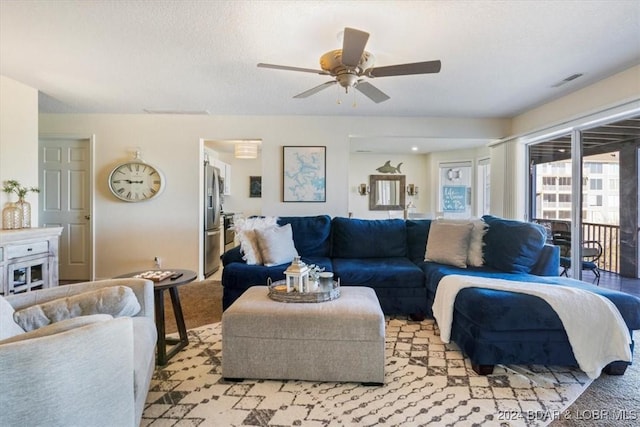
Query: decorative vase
{"type": "Point", "coordinates": [11, 217]}
{"type": "Point", "coordinates": [25, 209]}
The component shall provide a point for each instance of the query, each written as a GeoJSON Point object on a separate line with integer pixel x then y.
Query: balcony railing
{"type": "Point", "coordinates": [607, 235]}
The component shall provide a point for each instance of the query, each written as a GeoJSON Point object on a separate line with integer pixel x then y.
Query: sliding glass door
{"type": "Point", "coordinates": [583, 186]}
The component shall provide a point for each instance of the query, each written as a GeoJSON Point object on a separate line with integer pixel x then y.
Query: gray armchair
{"type": "Point", "coordinates": [96, 374]}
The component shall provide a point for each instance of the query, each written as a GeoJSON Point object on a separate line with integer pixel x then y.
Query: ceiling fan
{"type": "Point", "coordinates": [349, 65]}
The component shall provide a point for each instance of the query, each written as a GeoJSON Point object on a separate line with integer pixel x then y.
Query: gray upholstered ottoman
{"type": "Point", "coordinates": [339, 340]}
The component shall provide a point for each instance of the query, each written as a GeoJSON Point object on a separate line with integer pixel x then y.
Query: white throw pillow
{"type": "Point", "coordinates": [245, 233]}
{"type": "Point", "coordinates": [475, 254]}
{"type": "Point", "coordinates": [118, 301]}
{"type": "Point", "coordinates": [8, 326]}
{"type": "Point", "coordinates": [276, 245]}
{"type": "Point", "coordinates": [448, 243]}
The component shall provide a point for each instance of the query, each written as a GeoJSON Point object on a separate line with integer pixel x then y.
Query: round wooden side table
{"type": "Point", "coordinates": [171, 285]}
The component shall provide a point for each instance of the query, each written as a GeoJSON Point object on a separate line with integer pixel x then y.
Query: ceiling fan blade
{"type": "Point", "coordinates": [353, 44]}
{"type": "Point", "coordinates": [372, 92]}
{"type": "Point", "coordinates": [287, 68]}
{"type": "Point", "coordinates": [426, 67]}
{"type": "Point", "coordinates": [316, 89]}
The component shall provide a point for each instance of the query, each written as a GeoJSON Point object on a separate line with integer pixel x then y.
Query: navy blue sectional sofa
{"type": "Point", "coordinates": [490, 326]}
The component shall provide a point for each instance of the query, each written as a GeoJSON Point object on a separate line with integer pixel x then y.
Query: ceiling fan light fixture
{"type": "Point", "coordinates": [349, 64]}
{"type": "Point", "coordinates": [245, 150]}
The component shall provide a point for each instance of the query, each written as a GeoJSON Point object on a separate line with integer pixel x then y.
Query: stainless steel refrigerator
{"type": "Point", "coordinates": [212, 229]}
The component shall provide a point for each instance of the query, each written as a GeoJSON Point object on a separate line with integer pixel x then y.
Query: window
{"type": "Point", "coordinates": [595, 184]}
{"type": "Point", "coordinates": [551, 198]}
{"type": "Point", "coordinates": [565, 180]}
{"type": "Point", "coordinates": [455, 189]}
{"type": "Point", "coordinates": [614, 184]}
{"type": "Point", "coordinates": [595, 200]}
{"type": "Point", "coordinates": [564, 215]}
{"type": "Point", "coordinates": [549, 180]}
{"type": "Point", "coordinates": [594, 167]}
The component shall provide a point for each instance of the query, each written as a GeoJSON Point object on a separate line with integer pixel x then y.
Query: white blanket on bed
{"type": "Point", "coordinates": [597, 332]}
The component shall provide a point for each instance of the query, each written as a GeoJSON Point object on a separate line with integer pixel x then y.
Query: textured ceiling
{"type": "Point", "coordinates": [499, 58]}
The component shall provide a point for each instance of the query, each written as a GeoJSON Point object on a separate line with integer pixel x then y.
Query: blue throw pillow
{"type": "Point", "coordinates": [417, 234]}
{"type": "Point", "coordinates": [311, 234]}
{"type": "Point", "coordinates": [512, 246]}
{"type": "Point", "coordinates": [366, 238]}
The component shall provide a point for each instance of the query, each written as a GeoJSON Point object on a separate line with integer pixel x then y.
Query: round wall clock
{"type": "Point", "coordinates": [136, 181]}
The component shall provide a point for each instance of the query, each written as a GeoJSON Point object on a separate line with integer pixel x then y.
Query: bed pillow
{"type": "Point", "coordinates": [448, 243]}
{"type": "Point", "coordinates": [117, 301]}
{"type": "Point", "coordinates": [8, 326]}
{"type": "Point", "coordinates": [245, 229]}
{"type": "Point", "coordinates": [58, 327]}
{"type": "Point", "coordinates": [276, 245]}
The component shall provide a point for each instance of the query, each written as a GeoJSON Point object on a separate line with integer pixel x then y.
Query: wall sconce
{"type": "Point", "coordinates": [363, 189]}
{"type": "Point", "coordinates": [412, 189]}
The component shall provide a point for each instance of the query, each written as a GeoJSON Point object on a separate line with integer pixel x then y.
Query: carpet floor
{"type": "Point", "coordinates": [608, 401]}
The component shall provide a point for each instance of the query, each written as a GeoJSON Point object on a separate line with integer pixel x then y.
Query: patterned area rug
{"type": "Point", "coordinates": [426, 383]}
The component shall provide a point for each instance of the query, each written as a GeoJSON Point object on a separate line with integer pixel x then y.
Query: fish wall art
{"type": "Point", "coordinates": [387, 168]}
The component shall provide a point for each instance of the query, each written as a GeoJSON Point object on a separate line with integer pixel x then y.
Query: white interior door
{"type": "Point", "coordinates": [65, 201]}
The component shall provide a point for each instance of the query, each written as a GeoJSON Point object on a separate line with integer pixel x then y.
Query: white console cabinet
{"type": "Point", "coordinates": [28, 259]}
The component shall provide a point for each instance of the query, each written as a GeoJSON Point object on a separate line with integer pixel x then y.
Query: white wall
{"type": "Point", "coordinates": [612, 91]}
{"type": "Point", "coordinates": [361, 165]}
{"type": "Point", "coordinates": [128, 236]}
{"type": "Point", "coordinates": [19, 139]}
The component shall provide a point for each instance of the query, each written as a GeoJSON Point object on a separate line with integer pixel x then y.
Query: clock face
{"type": "Point", "coordinates": [135, 182]}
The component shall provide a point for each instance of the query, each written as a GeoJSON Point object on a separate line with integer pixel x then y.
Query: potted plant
{"type": "Point", "coordinates": [17, 215]}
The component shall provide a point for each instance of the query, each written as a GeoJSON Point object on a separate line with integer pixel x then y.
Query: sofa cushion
{"type": "Point", "coordinates": [311, 234]}
{"type": "Point", "coordinates": [434, 272]}
{"type": "Point", "coordinates": [117, 301]}
{"type": "Point", "coordinates": [398, 272]}
{"type": "Point", "coordinates": [361, 238]}
{"type": "Point", "coordinates": [417, 233]}
{"type": "Point", "coordinates": [448, 243]}
{"type": "Point", "coordinates": [237, 275]}
{"type": "Point", "coordinates": [58, 327]}
{"type": "Point", "coordinates": [276, 245]}
{"type": "Point", "coordinates": [8, 326]}
{"type": "Point", "coordinates": [512, 246]}
{"type": "Point", "coordinates": [144, 341]}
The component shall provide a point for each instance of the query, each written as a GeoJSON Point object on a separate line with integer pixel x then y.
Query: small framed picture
{"type": "Point", "coordinates": [255, 186]}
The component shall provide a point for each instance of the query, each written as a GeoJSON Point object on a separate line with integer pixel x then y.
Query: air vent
{"type": "Point", "coordinates": [568, 79]}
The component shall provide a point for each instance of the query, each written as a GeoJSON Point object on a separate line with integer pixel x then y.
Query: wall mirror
{"type": "Point", "coordinates": [387, 192]}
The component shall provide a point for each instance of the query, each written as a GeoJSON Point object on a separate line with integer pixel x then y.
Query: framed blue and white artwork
{"type": "Point", "coordinates": [304, 174]}
{"type": "Point", "coordinates": [454, 198]}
